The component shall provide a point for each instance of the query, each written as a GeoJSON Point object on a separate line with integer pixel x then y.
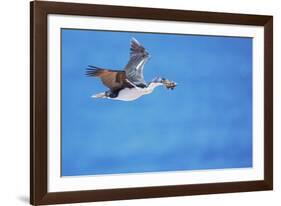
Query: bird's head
{"type": "Point", "coordinates": [165, 82]}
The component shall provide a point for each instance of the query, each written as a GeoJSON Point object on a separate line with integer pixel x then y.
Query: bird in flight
{"type": "Point", "coordinates": [128, 84]}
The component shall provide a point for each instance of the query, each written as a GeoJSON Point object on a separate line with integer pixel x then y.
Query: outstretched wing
{"type": "Point", "coordinates": [113, 79]}
{"type": "Point", "coordinates": [134, 68]}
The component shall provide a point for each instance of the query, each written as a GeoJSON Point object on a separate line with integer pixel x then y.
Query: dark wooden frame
{"type": "Point", "coordinates": [38, 102]}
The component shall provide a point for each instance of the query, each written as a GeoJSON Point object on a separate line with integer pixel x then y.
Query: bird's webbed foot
{"type": "Point", "coordinates": [111, 94]}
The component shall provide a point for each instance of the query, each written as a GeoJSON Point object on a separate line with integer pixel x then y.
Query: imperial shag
{"type": "Point", "coordinates": [128, 84]}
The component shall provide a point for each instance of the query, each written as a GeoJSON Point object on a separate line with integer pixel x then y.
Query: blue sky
{"type": "Point", "coordinates": [205, 123]}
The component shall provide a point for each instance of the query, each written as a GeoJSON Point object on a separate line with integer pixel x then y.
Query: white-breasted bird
{"type": "Point", "coordinates": [128, 84]}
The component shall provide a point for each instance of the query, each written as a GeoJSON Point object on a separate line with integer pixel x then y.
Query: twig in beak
{"type": "Point", "coordinates": [169, 84]}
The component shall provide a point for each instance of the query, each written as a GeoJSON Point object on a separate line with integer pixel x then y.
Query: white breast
{"type": "Point", "coordinates": [130, 94]}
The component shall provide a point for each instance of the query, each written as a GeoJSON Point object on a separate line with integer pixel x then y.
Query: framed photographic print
{"type": "Point", "coordinates": [131, 102]}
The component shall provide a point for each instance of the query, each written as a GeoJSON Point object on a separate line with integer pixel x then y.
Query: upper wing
{"type": "Point", "coordinates": [138, 57]}
{"type": "Point", "coordinates": [113, 79]}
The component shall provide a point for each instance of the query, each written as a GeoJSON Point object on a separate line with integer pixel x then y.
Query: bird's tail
{"type": "Point", "coordinates": [100, 95]}
{"type": "Point", "coordinates": [94, 71]}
